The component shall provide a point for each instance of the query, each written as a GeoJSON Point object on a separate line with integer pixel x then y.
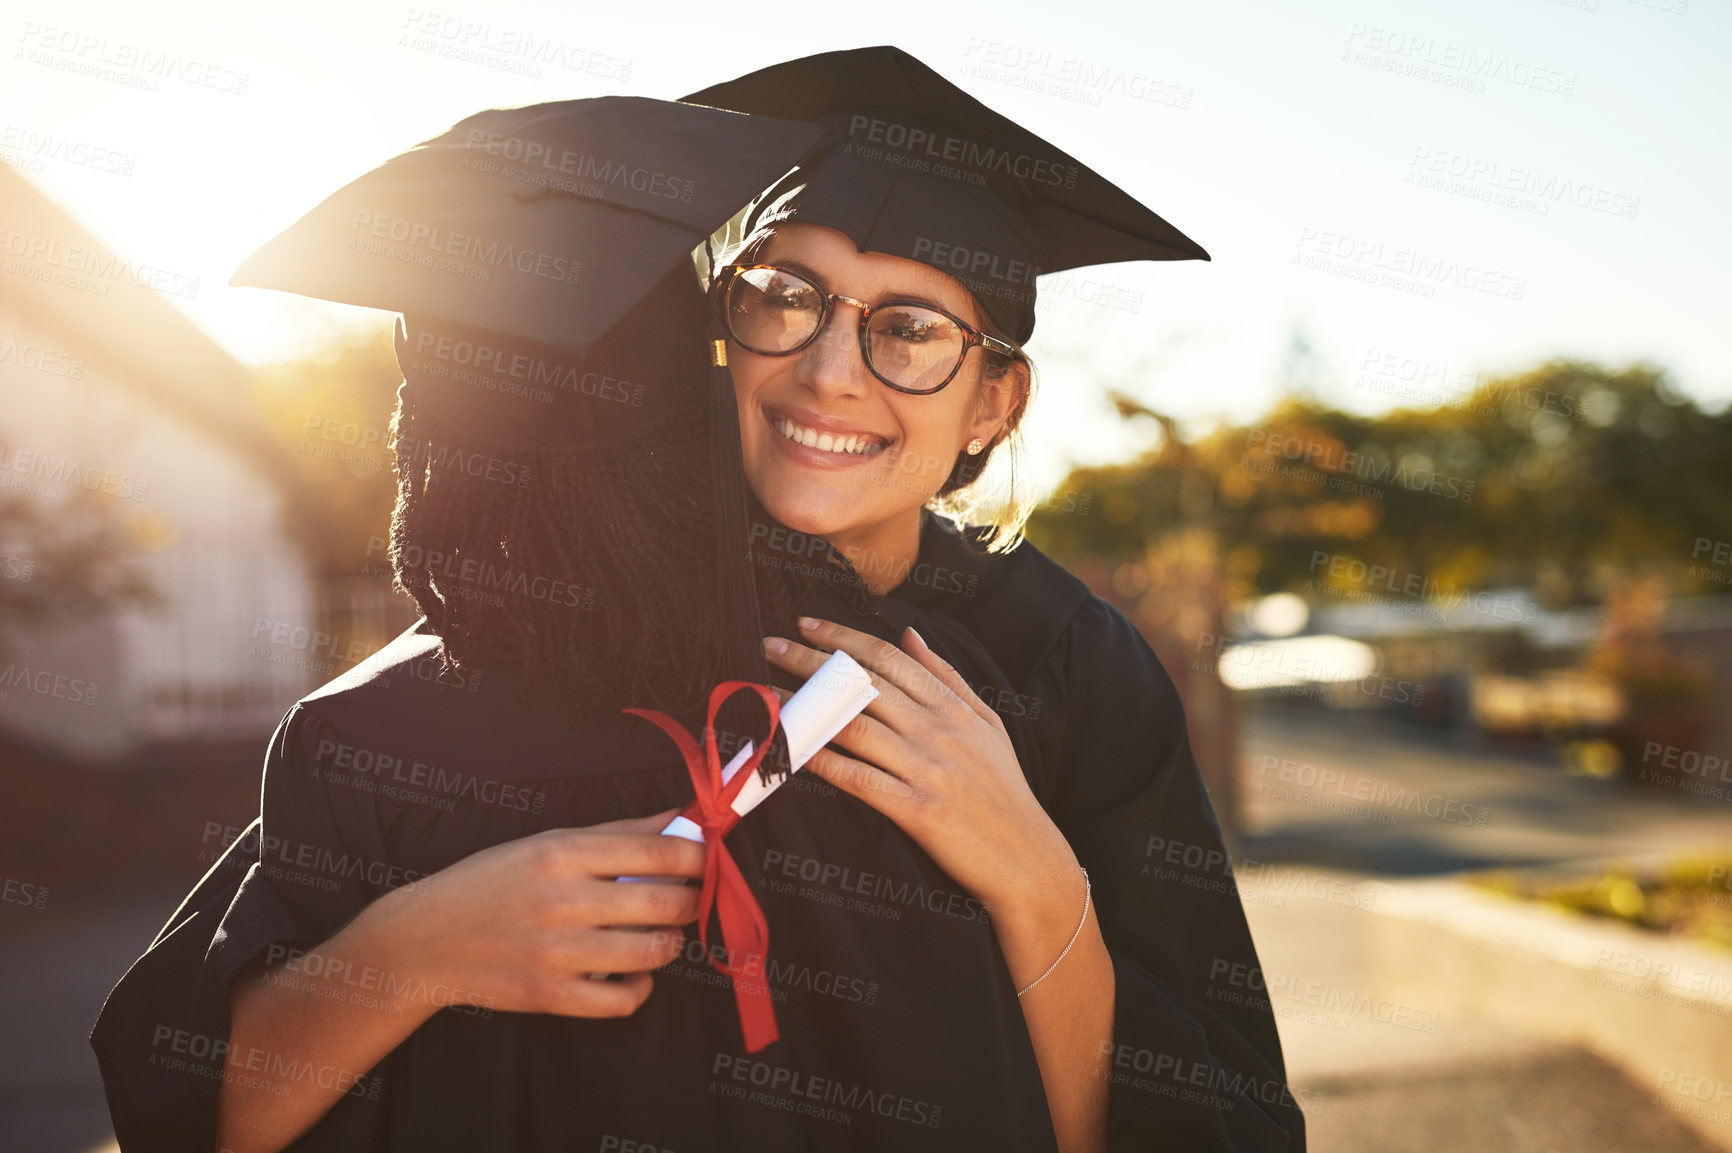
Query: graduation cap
{"type": "Point", "coordinates": [913, 166]}
{"type": "Point", "coordinates": [514, 241]}
{"type": "Point", "coordinates": [546, 222]}
{"type": "Point", "coordinates": [645, 372]}
{"type": "Point", "coordinates": [541, 258]}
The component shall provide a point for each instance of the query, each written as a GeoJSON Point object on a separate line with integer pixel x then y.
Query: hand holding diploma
{"type": "Point", "coordinates": [834, 695]}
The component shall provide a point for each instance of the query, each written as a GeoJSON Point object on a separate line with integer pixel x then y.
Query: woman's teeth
{"type": "Point", "coordinates": [855, 445]}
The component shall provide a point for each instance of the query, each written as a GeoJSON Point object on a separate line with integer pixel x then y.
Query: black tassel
{"type": "Point", "coordinates": [741, 626]}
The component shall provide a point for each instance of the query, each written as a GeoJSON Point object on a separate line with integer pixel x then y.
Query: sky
{"type": "Point", "coordinates": [1414, 192]}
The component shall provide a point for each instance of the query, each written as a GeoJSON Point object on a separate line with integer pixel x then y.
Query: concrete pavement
{"type": "Point", "coordinates": [1332, 803]}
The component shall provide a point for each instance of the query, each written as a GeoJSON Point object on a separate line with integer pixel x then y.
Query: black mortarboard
{"type": "Point", "coordinates": [644, 372]}
{"type": "Point", "coordinates": [546, 222]}
{"type": "Point", "coordinates": [913, 166]}
{"type": "Point", "coordinates": [541, 258]}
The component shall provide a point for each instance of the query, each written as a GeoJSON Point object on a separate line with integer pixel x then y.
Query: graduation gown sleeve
{"type": "Point", "coordinates": [1196, 1063]}
{"type": "Point", "coordinates": [306, 866]}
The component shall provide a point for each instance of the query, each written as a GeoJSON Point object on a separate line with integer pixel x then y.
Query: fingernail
{"type": "Point", "coordinates": [808, 623]}
{"type": "Point", "coordinates": [775, 646]}
{"type": "Point", "coordinates": [918, 637]}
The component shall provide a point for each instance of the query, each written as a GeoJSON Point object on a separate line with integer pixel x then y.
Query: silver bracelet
{"type": "Point", "coordinates": [1088, 891]}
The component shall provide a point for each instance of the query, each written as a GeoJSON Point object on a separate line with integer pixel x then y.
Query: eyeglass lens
{"type": "Point", "coordinates": [774, 311]}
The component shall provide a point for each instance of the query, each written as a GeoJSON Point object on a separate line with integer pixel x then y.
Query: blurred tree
{"type": "Point", "coordinates": [1562, 478]}
{"type": "Point", "coordinates": [1302, 370]}
{"type": "Point", "coordinates": [1171, 585]}
{"type": "Point", "coordinates": [69, 559]}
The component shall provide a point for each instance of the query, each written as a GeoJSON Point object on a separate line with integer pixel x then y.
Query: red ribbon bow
{"type": "Point", "coordinates": [744, 930]}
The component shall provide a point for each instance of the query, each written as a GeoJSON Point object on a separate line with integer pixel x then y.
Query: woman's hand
{"type": "Point", "coordinates": [515, 927]}
{"type": "Point", "coordinates": [519, 926]}
{"type": "Point", "coordinates": [933, 757]}
{"type": "Point", "coordinates": [930, 755]}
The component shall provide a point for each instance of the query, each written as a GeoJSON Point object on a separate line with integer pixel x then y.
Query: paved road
{"type": "Point", "coordinates": [1348, 802]}
{"type": "Point", "coordinates": [1422, 1081]}
{"type": "Point", "coordinates": [1379, 798]}
{"type": "Point", "coordinates": [56, 967]}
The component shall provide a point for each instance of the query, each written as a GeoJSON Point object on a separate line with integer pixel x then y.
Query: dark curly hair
{"type": "Point", "coordinates": [587, 569]}
{"type": "Point", "coordinates": [583, 565]}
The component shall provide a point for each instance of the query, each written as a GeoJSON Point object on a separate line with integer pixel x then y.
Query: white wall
{"type": "Point", "coordinates": [211, 544]}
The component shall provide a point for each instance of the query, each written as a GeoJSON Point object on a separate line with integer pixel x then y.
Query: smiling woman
{"type": "Point", "coordinates": [833, 445]}
{"type": "Point", "coordinates": [875, 315]}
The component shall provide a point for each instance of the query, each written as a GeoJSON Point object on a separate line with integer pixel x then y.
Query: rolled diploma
{"type": "Point", "coordinates": [821, 707]}
{"type": "Point", "coordinates": [817, 711]}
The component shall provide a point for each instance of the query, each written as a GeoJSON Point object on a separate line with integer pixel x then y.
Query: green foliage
{"type": "Point", "coordinates": [71, 559]}
{"type": "Point", "coordinates": [1562, 478]}
{"type": "Point", "coordinates": [1691, 897]}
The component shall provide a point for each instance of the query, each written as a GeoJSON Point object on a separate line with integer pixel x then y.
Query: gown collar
{"type": "Point", "coordinates": [950, 563]}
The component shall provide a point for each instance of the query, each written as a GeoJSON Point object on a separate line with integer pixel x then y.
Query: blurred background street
{"type": "Point", "coordinates": [1474, 1082]}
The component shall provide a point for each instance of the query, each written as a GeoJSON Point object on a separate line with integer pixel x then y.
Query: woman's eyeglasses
{"type": "Point", "coordinates": [912, 347]}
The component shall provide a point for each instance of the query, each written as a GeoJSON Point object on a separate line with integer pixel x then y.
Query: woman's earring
{"type": "Point", "coordinates": [975, 446]}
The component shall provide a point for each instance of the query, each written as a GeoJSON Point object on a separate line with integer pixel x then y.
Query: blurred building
{"type": "Point", "coordinates": [115, 407]}
{"type": "Point", "coordinates": [1647, 676]}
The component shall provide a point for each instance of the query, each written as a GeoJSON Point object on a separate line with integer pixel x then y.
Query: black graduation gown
{"type": "Point", "coordinates": [900, 1027]}
{"type": "Point", "coordinates": [1100, 733]}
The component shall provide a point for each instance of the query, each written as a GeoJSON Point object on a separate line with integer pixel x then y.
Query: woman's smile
{"type": "Point", "coordinates": [831, 449]}
{"type": "Point", "coordinates": [821, 441]}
